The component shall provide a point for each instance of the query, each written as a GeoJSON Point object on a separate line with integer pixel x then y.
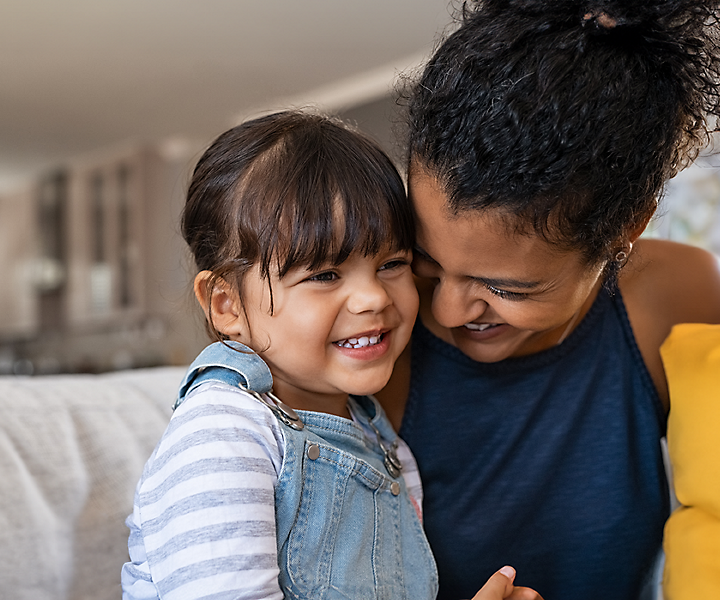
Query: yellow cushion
{"type": "Point", "coordinates": [691, 356]}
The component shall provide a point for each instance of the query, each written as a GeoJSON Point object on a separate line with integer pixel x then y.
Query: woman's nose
{"type": "Point", "coordinates": [453, 304]}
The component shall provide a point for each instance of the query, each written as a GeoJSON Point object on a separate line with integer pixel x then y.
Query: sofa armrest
{"type": "Point", "coordinates": [72, 448]}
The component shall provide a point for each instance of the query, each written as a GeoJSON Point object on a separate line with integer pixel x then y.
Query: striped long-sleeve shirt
{"type": "Point", "coordinates": [203, 524]}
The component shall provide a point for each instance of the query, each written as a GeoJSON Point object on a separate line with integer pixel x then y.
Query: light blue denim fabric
{"type": "Point", "coordinates": [254, 373]}
{"type": "Point", "coordinates": [344, 530]}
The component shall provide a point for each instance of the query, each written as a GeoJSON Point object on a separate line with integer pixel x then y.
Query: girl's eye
{"type": "Point", "coordinates": [394, 264]}
{"type": "Point", "coordinates": [324, 277]}
{"type": "Point", "coordinates": [505, 295]}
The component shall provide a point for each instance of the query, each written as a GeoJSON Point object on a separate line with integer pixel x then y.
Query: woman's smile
{"type": "Point", "coordinates": [482, 331]}
{"type": "Point", "coordinates": [485, 288]}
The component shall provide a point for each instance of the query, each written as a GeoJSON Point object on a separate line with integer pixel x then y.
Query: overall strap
{"type": "Point", "coordinates": [236, 365]}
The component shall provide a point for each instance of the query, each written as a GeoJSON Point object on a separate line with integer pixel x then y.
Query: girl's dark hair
{"type": "Point", "coordinates": [292, 189]}
{"type": "Point", "coordinates": [568, 116]}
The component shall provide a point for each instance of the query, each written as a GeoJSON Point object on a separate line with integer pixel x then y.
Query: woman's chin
{"type": "Point", "coordinates": [489, 345]}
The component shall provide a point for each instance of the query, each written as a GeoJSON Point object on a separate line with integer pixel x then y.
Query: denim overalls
{"type": "Point", "coordinates": [345, 527]}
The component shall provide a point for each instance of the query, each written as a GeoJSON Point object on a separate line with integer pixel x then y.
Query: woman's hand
{"type": "Point", "coordinates": [500, 587]}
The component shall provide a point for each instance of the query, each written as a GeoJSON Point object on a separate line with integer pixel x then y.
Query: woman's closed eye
{"type": "Point", "coordinates": [504, 294]}
{"type": "Point", "coordinates": [423, 265]}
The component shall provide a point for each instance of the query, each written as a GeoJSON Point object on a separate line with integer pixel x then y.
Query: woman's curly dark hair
{"type": "Point", "coordinates": [568, 116]}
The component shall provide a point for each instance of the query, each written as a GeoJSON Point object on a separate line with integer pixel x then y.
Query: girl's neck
{"type": "Point", "coordinates": [331, 404]}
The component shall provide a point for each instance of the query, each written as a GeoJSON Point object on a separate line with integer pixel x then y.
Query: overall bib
{"type": "Point", "coordinates": [346, 527]}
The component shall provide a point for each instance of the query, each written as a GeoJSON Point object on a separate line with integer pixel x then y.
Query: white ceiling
{"type": "Point", "coordinates": [80, 75]}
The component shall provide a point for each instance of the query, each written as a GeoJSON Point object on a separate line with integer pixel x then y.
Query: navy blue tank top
{"type": "Point", "coordinates": [550, 463]}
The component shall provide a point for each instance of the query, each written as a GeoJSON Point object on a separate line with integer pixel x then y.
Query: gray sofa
{"type": "Point", "coordinates": [71, 450]}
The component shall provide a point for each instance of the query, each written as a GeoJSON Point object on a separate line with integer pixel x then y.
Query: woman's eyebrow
{"type": "Point", "coordinates": [509, 283]}
{"type": "Point", "coordinates": [517, 284]}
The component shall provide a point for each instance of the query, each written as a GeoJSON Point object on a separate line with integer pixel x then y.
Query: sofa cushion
{"type": "Point", "coordinates": [71, 451]}
{"type": "Point", "coordinates": [691, 356]}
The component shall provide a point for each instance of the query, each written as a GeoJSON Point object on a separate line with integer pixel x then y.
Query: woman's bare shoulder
{"type": "Point", "coordinates": [675, 283]}
{"type": "Point", "coordinates": [663, 284]}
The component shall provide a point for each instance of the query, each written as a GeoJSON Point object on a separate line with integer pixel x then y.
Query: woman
{"type": "Point", "coordinates": [533, 394]}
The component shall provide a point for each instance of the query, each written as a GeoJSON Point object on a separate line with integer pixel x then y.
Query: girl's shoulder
{"type": "Point", "coordinates": [663, 284]}
{"type": "Point", "coordinates": [215, 411]}
{"type": "Point", "coordinates": [214, 399]}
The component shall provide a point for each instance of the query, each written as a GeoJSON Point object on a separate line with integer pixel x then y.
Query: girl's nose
{"type": "Point", "coordinates": [453, 304]}
{"type": "Point", "coordinates": [368, 296]}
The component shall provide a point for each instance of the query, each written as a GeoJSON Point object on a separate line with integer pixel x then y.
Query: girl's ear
{"type": "Point", "coordinates": [221, 304]}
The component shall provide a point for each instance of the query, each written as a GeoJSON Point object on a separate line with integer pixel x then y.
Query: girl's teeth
{"type": "Point", "coordinates": [360, 342]}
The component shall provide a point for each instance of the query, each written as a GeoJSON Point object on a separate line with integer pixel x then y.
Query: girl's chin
{"type": "Point", "coordinates": [368, 386]}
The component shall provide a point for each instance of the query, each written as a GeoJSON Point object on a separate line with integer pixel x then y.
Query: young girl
{"type": "Point", "coordinates": [279, 475]}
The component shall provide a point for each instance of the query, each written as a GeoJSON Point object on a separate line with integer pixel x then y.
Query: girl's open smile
{"type": "Point", "coordinates": [367, 347]}
{"type": "Point", "coordinates": [332, 331]}
{"type": "Point", "coordinates": [361, 340]}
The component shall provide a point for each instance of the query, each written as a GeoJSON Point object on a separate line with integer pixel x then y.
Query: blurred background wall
{"type": "Point", "coordinates": [105, 107]}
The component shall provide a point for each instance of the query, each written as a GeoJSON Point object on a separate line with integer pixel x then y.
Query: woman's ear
{"type": "Point", "coordinates": [638, 229]}
{"type": "Point", "coordinates": [625, 244]}
{"type": "Point", "coordinates": [220, 303]}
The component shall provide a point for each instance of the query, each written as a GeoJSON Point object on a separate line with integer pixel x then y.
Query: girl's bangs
{"type": "Point", "coordinates": [328, 229]}
{"type": "Point", "coordinates": [339, 205]}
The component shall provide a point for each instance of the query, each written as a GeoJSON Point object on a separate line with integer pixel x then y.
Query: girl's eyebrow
{"type": "Point", "coordinates": [491, 281]}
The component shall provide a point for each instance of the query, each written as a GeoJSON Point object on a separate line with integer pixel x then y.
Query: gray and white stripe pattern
{"type": "Point", "coordinates": [203, 524]}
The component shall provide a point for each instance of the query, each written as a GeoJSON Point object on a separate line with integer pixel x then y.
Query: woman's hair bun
{"type": "Point", "coordinates": [600, 21]}
{"type": "Point", "coordinates": [605, 16]}
{"type": "Point", "coordinates": [572, 110]}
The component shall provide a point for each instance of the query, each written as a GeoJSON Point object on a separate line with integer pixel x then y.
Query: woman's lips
{"type": "Point", "coordinates": [479, 326]}
{"type": "Point", "coordinates": [482, 331]}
